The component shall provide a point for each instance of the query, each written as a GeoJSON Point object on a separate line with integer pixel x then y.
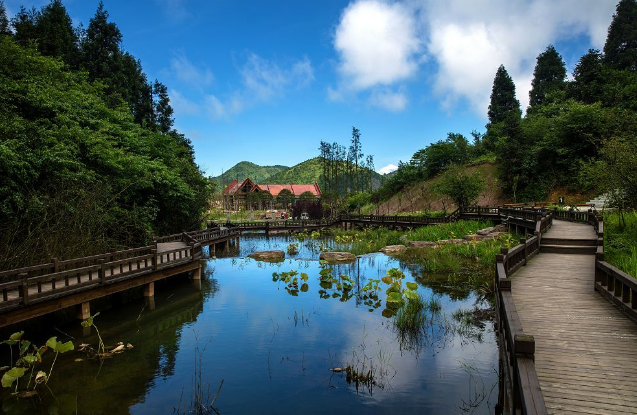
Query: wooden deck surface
{"type": "Point", "coordinates": [586, 349]}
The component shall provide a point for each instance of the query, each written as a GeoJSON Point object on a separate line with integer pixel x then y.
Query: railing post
{"type": "Point", "coordinates": [24, 288]}
{"type": "Point", "coordinates": [56, 264]}
{"type": "Point", "coordinates": [101, 271]}
{"type": "Point", "coordinates": [153, 252]}
{"type": "Point", "coordinates": [526, 253]}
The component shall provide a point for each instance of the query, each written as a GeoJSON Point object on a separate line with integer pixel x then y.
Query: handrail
{"type": "Point", "coordinates": [61, 277]}
{"type": "Point", "coordinates": [521, 381]}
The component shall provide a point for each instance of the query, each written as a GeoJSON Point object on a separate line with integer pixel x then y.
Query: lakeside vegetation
{"type": "Point", "coordinates": [89, 163]}
{"type": "Point", "coordinates": [620, 241]}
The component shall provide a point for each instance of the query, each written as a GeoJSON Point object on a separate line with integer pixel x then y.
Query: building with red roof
{"type": "Point", "coordinates": [238, 194]}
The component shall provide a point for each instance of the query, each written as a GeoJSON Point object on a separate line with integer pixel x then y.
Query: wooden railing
{"type": "Point", "coordinates": [520, 379]}
{"type": "Point", "coordinates": [612, 283]}
{"type": "Point", "coordinates": [45, 281]}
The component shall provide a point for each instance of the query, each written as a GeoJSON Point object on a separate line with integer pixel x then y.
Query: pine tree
{"type": "Point", "coordinates": [356, 154]}
{"type": "Point", "coordinates": [161, 108]}
{"type": "Point", "coordinates": [4, 21]}
{"type": "Point", "coordinates": [101, 46]}
{"type": "Point", "coordinates": [56, 36]}
{"type": "Point", "coordinates": [620, 50]}
{"type": "Point", "coordinates": [588, 82]}
{"type": "Point", "coordinates": [503, 100]}
{"type": "Point", "coordinates": [25, 25]}
{"type": "Point", "coordinates": [549, 76]}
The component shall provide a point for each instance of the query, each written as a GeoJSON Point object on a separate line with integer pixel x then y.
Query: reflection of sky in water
{"type": "Point", "coordinates": [271, 363]}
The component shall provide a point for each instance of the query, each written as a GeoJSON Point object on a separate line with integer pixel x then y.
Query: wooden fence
{"type": "Point", "coordinates": [519, 381]}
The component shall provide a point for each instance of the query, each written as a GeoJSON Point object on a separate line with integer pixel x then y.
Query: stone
{"type": "Point", "coordinates": [393, 249]}
{"type": "Point", "coordinates": [451, 241]}
{"type": "Point", "coordinates": [473, 237]}
{"type": "Point", "coordinates": [422, 244]}
{"type": "Point", "coordinates": [486, 231]}
{"type": "Point", "coordinates": [337, 257]}
{"type": "Point", "coordinates": [494, 235]}
{"type": "Point", "coordinates": [268, 256]}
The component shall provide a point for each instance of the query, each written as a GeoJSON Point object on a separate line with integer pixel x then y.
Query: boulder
{"type": "Point", "coordinates": [451, 241]}
{"type": "Point", "coordinates": [422, 244]}
{"type": "Point", "coordinates": [474, 237]}
{"type": "Point", "coordinates": [269, 256]}
{"type": "Point", "coordinates": [337, 257]}
{"type": "Point", "coordinates": [393, 249]}
{"type": "Point", "coordinates": [486, 231]}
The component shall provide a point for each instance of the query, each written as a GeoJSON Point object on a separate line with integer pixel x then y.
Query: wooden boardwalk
{"type": "Point", "coordinates": [586, 349]}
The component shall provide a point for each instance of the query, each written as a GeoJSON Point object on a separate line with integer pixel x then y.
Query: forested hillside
{"type": "Point", "coordinates": [578, 134]}
{"type": "Point", "coordinates": [243, 169]}
{"type": "Point", "coordinates": [89, 161]}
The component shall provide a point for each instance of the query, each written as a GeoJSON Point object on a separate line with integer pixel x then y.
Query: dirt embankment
{"type": "Point", "coordinates": [420, 197]}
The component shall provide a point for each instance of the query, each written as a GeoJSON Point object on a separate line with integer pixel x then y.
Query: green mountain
{"type": "Point", "coordinates": [243, 169]}
{"type": "Point", "coordinates": [308, 172]}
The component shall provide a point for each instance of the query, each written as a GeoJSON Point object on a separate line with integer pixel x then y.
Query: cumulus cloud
{"type": "Point", "coordinates": [377, 43]}
{"type": "Point", "coordinates": [187, 72]}
{"type": "Point", "coordinates": [378, 47]}
{"type": "Point", "coordinates": [469, 40]}
{"type": "Point", "coordinates": [388, 169]}
{"type": "Point", "coordinates": [262, 80]}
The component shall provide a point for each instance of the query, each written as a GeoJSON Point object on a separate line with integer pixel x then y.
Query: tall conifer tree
{"type": "Point", "coordinates": [549, 76]}
{"type": "Point", "coordinates": [503, 100]}
{"type": "Point", "coordinates": [56, 36]}
{"type": "Point", "coordinates": [4, 21]}
{"type": "Point", "coordinates": [588, 78]}
{"type": "Point", "coordinates": [25, 25]}
{"type": "Point", "coordinates": [620, 50]}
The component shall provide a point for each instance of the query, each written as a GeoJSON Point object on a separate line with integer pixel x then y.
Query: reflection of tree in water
{"type": "Point", "coordinates": [125, 379]}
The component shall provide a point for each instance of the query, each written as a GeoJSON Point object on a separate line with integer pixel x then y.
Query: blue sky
{"type": "Point", "coordinates": [266, 81]}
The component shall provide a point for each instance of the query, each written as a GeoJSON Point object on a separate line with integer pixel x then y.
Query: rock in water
{"type": "Point", "coordinates": [393, 249]}
{"type": "Point", "coordinates": [268, 256]}
{"type": "Point", "coordinates": [337, 257]}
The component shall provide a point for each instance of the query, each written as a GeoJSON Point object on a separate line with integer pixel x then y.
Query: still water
{"type": "Point", "coordinates": [274, 348]}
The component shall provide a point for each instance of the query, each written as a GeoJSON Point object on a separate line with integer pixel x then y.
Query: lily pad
{"type": "Point", "coordinates": [412, 286]}
{"type": "Point", "coordinates": [12, 375]}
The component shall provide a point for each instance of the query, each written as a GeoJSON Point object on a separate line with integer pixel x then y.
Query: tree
{"type": "Point", "coordinates": [503, 101]}
{"type": "Point", "coordinates": [285, 198]}
{"type": "Point", "coordinates": [620, 50]}
{"type": "Point", "coordinates": [56, 36]}
{"type": "Point", "coordinates": [549, 76]}
{"type": "Point", "coordinates": [355, 154]}
{"type": "Point", "coordinates": [4, 21]}
{"type": "Point", "coordinates": [162, 111]}
{"type": "Point", "coordinates": [101, 47]}
{"type": "Point", "coordinates": [307, 197]}
{"type": "Point", "coordinates": [25, 25]}
{"type": "Point", "coordinates": [588, 78]}
{"type": "Point", "coordinates": [461, 187]}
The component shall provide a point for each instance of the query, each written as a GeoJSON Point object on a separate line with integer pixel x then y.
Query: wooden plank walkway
{"type": "Point", "coordinates": [586, 349]}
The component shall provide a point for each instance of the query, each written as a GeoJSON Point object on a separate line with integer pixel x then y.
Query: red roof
{"type": "Point", "coordinates": [274, 189]}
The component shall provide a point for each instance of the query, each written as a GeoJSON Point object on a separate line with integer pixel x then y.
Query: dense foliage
{"type": "Point", "coordinates": [571, 133]}
{"type": "Point", "coordinates": [79, 172]}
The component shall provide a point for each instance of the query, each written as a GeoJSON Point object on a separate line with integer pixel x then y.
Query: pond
{"type": "Point", "coordinates": [277, 347]}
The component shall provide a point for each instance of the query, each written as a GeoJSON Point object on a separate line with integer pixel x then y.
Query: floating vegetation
{"type": "Point", "coordinates": [291, 281]}
{"type": "Point", "coordinates": [293, 249]}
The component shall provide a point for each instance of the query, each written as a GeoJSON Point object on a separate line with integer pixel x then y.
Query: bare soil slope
{"type": "Point", "coordinates": [420, 197]}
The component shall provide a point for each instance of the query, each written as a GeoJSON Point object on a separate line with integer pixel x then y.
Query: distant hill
{"type": "Point", "coordinates": [307, 172]}
{"type": "Point", "coordinates": [243, 169]}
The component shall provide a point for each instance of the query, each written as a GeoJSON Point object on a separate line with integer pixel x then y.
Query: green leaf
{"type": "Point", "coordinates": [394, 297]}
{"type": "Point", "coordinates": [24, 346]}
{"type": "Point", "coordinates": [12, 375]}
{"type": "Point", "coordinates": [412, 286]}
{"type": "Point", "coordinates": [387, 279]}
{"type": "Point", "coordinates": [65, 347]}
{"type": "Point", "coordinates": [52, 342]}
{"type": "Point", "coordinates": [16, 336]}
{"type": "Point", "coordinates": [411, 295]}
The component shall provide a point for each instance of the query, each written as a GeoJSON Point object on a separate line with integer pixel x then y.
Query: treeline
{"type": "Point", "coordinates": [346, 170]}
{"type": "Point", "coordinates": [578, 134]}
{"type": "Point", "coordinates": [89, 161]}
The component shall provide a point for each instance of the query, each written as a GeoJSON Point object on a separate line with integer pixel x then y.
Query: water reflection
{"type": "Point", "coordinates": [276, 345]}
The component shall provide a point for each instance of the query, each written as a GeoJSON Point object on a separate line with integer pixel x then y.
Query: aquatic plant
{"type": "Point", "coordinates": [89, 322]}
{"type": "Point", "coordinates": [291, 281]}
{"type": "Point", "coordinates": [293, 249]}
{"type": "Point", "coordinates": [29, 355]}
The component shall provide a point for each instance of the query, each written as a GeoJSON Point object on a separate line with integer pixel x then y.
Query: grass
{"type": "Point", "coordinates": [620, 241]}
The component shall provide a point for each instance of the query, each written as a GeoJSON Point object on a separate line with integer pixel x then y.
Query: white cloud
{"type": "Point", "coordinates": [388, 169]}
{"type": "Point", "coordinates": [181, 104]}
{"type": "Point", "coordinates": [175, 9]}
{"type": "Point", "coordinates": [262, 80]}
{"type": "Point", "coordinates": [378, 48]}
{"type": "Point", "coordinates": [377, 44]}
{"type": "Point", "coordinates": [391, 101]}
{"type": "Point", "coordinates": [187, 72]}
{"type": "Point", "coordinates": [470, 39]}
